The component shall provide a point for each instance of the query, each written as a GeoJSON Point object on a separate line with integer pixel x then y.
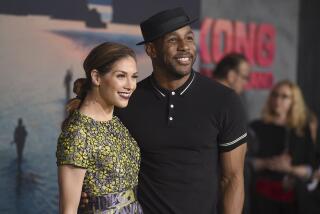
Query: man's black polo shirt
{"type": "Point", "coordinates": [181, 134]}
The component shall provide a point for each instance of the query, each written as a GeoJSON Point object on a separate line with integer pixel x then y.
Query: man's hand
{"type": "Point", "coordinates": [84, 201]}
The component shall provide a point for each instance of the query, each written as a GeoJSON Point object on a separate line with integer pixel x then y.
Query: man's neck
{"type": "Point", "coordinates": [223, 82]}
{"type": "Point", "coordinates": [169, 82]}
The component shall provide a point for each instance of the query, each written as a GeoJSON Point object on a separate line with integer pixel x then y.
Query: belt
{"type": "Point", "coordinates": [113, 200]}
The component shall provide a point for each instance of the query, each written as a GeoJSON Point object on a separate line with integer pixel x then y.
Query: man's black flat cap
{"type": "Point", "coordinates": [164, 22]}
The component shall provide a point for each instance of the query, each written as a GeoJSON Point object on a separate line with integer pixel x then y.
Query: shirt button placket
{"type": "Point", "coordinates": [171, 108]}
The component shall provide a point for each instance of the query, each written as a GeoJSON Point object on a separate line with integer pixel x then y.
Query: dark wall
{"type": "Point", "coordinates": [58, 9]}
{"type": "Point", "coordinates": [284, 16]}
{"type": "Point", "coordinates": [309, 53]}
{"type": "Point", "coordinates": [133, 12]}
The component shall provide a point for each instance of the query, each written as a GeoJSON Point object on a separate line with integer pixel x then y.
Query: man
{"type": "Point", "coordinates": [184, 123]}
{"type": "Point", "coordinates": [233, 71]}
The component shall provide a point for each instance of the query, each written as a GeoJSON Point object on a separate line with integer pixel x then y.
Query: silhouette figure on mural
{"type": "Point", "coordinates": [18, 181]}
{"type": "Point", "coordinates": [20, 135]}
{"type": "Point", "coordinates": [67, 83]}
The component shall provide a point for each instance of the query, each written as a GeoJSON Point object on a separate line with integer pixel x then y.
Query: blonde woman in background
{"type": "Point", "coordinates": [285, 151]}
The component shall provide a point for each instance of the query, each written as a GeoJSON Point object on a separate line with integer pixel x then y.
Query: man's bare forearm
{"type": "Point", "coordinates": [233, 194]}
{"type": "Point", "coordinates": [232, 184]}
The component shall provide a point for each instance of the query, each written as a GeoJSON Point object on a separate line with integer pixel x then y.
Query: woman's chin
{"type": "Point", "coordinates": [121, 104]}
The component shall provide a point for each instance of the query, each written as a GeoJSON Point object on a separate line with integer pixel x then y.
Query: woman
{"type": "Point", "coordinates": [95, 152]}
{"type": "Point", "coordinates": [285, 153]}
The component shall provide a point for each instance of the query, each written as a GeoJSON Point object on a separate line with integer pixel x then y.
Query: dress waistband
{"type": "Point", "coordinates": [113, 200]}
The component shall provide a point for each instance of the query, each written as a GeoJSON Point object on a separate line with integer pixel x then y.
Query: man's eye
{"type": "Point", "coordinates": [172, 40]}
{"type": "Point", "coordinates": [190, 38]}
{"type": "Point", "coordinates": [135, 76]}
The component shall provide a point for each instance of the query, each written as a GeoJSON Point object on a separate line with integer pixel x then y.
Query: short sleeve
{"type": "Point", "coordinates": [72, 148]}
{"type": "Point", "coordinates": [233, 124]}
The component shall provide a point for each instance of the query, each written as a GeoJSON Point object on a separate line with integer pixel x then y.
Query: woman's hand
{"type": "Point", "coordinates": [281, 163]}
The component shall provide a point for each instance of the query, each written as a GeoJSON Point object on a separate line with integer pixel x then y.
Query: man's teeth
{"type": "Point", "coordinates": [183, 59]}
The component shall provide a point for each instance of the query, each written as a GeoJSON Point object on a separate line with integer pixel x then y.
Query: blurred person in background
{"type": "Point", "coordinates": [285, 151]}
{"type": "Point", "coordinates": [233, 71]}
{"type": "Point", "coordinates": [309, 198]}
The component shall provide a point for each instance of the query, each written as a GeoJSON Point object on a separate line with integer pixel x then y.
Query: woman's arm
{"type": "Point", "coordinates": [70, 186]}
{"type": "Point", "coordinates": [261, 163]}
{"type": "Point", "coordinates": [282, 163]}
{"type": "Point", "coordinates": [313, 125]}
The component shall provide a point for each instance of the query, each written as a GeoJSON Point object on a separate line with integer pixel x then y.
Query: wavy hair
{"type": "Point", "coordinates": [101, 58]}
{"type": "Point", "coordinates": [298, 113]}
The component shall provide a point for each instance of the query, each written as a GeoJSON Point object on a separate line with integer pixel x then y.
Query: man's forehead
{"type": "Point", "coordinates": [184, 30]}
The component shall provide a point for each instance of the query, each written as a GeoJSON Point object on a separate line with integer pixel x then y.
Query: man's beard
{"type": "Point", "coordinates": [172, 71]}
{"type": "Point", "coordinates": [176, 74]}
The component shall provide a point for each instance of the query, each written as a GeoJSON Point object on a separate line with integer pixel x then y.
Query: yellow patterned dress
{"type": "Point", "coordinates": [111, 157]}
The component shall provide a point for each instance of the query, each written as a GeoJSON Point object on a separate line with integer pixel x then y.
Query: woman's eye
{"type": "Point", "coordinates": [135, 76]}
{"type": "Point", "coordinates": [121, 76]}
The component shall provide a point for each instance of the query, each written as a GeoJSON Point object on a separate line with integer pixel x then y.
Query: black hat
{"type": "Point", "coordinates": [164, 22]}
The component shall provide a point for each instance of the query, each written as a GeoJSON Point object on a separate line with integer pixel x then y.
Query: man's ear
{"type": "Point", "coordinates": [95, 77]}
{"type": "Point", "coordinates": [150, 49]}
